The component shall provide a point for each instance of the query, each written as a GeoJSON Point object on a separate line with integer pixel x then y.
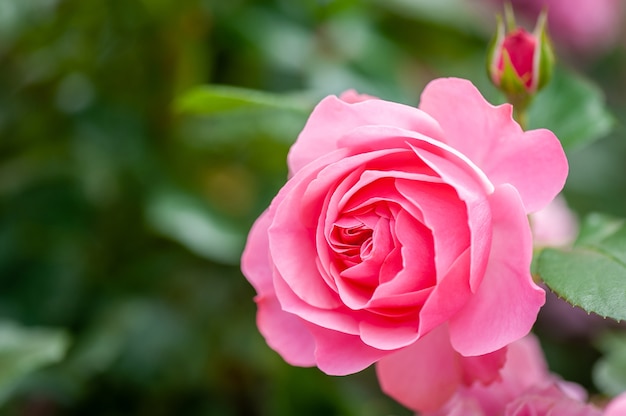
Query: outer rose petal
{"type": "Point", "coordinates": [426, 374]}
{"type": "Point", "coordinates": [532, 161]}
{"type": "Point", "coordinates": [549, 401]}
{"type": "Point", "coordinates": [525, 387]}
{"type": "Point", "coordinates": [284, 332]}
{"type": "Point", "coordinates": [332, 118]}
{"type": "Point", "coordinates": [340, 354]}
{"type": "Point", "coordinates": [255, 261]}
{"type": "Point", "coordinates": [507, 302]}
{"type": "Point", "coordinates": [423, 376]}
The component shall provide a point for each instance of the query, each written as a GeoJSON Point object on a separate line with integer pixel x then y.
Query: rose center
{"type": "Point", "coordinates": [352, 243]}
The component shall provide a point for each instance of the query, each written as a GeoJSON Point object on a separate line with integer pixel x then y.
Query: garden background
{"type": "Point", "coordinates": [127, 189]}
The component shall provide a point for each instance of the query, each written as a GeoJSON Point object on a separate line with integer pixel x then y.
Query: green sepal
{"type": "Point", "coordinates": [510, 81]}
{"type": "Point", "coordinates": [495, 46]}
{"type": "Point", "coordinates": [543, 65]}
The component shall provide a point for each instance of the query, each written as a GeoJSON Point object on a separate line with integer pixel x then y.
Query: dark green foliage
{"type": "Point", "coordinates": [124, 202]}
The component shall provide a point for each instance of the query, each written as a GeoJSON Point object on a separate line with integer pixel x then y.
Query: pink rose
{"type": "Point", "coordinates": [397, 223]}
{"type": "Point", "coordinates": [548, 401]}
{"type": "Point", "coordinates": [526, 387]}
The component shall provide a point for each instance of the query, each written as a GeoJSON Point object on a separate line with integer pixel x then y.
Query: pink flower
{"type": "Point", "coordinates": [403, 228]}
{"type": "Point", "coordinates": [525, 388]}
{"type": "Point", "coordinates": [555, 225]}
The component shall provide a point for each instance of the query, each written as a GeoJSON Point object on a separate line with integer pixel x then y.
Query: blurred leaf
{"type": "Point", "coordinates": [140, 339]}
{"type": "Point", "coordinates": [573, 108]}
{"type": "Point", "coordinates": [457, 13]}
{"type": "Point", "coordinates": [23, 350]}
{"type": "Point", "coordinates": [592, 274]}
{"type": "Point", "coordinates": [211, 99]}
{"type": "Point", "coordinates": [187, 221]}
{"type": "Point", "coordinates": [609, 372]}
{"type": "Point", "coordinates": [242, 127]}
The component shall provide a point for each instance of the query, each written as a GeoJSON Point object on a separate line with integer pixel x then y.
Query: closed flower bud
{"type": "Point", "coordinates": [520, 63]}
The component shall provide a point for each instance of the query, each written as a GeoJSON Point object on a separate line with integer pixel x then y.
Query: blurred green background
{"type": "Point", "coordinates": [123, 212]}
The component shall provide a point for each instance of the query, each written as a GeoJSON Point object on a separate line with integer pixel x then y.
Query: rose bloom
{"type": "Point", "coordinates": [525, 388]}
{"type": "Point", "coordinates": [403, 228]}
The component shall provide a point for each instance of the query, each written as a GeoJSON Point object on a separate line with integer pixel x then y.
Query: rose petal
{"type": "Point", "coordinates": [337, 319]}
{"type": "Point", "coordinates": [285, 333]}
{"type": "Point", "coordinates": [471, 189]}
{"type": "Point", "coordinates": [332, 118]}
{"type": "Point", "coordinates": [507, 302]}
{"type": "Point", "coordinates": [483, 368]}
{"type": "Point", "coordinates": [444, 213]}
{"type": "Point", "coordinates": [424, 375]}
{"type": "Point", "coordinates": [447, 297]}
{"type": "Point", "coordinates": [389, 337]}
{"type": "Point", "coordinates": [297, 263]}
{"type": "Point", "coordinates": [525, 364]}
{"type": "Point", "coordinates": [418, 273]}
{"type": "Point", "coordinates": [470, 124]}
{"type": "Point", "coordinates": [339, 354]}
{"type": "Point", "coordinates": [373, 138]}
{"type": "Point", "coordinates": [255, 261]}
{"type": "Point", "coordinates": [532, 161]}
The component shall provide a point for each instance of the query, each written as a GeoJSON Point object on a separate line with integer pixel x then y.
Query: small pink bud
{"type": "Point", "coordinates": [520, 63]}
{"type": "Point", "coordinates": [520, 47]}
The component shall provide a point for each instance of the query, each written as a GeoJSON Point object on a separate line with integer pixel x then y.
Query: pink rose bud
{"type": "Point", "coordinates": [520, 63]}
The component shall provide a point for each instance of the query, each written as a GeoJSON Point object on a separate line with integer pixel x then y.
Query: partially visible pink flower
{"type": "Point", "coordinates": [555, 225]}
{"type": "Point", "coordinates": [582, 25]}
{"type": "Point", "coordinates": [548, 401]}
{"type": "Point", "coordinates": [616, 407]}
{"type": "Point", "coordinates": [526, 387]}
{"type": "Point", "coordinates": [425, 375]}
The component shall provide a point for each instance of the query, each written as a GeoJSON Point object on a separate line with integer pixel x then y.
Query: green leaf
{"type": "Point", "coordinates": [23, 350]}
{"type": "Point", "coordinates": [573, 108]}
{"type": "Point", "coordinates": [188, 221]}
{"type": "Point", "coordinates": [215, 99]}
{"type": "Point", "coordinates": [455, 13]}
{"type": "Point", "coordinates": [609, 372]}
{"type": "Point", "coordinates": [592, 274]}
